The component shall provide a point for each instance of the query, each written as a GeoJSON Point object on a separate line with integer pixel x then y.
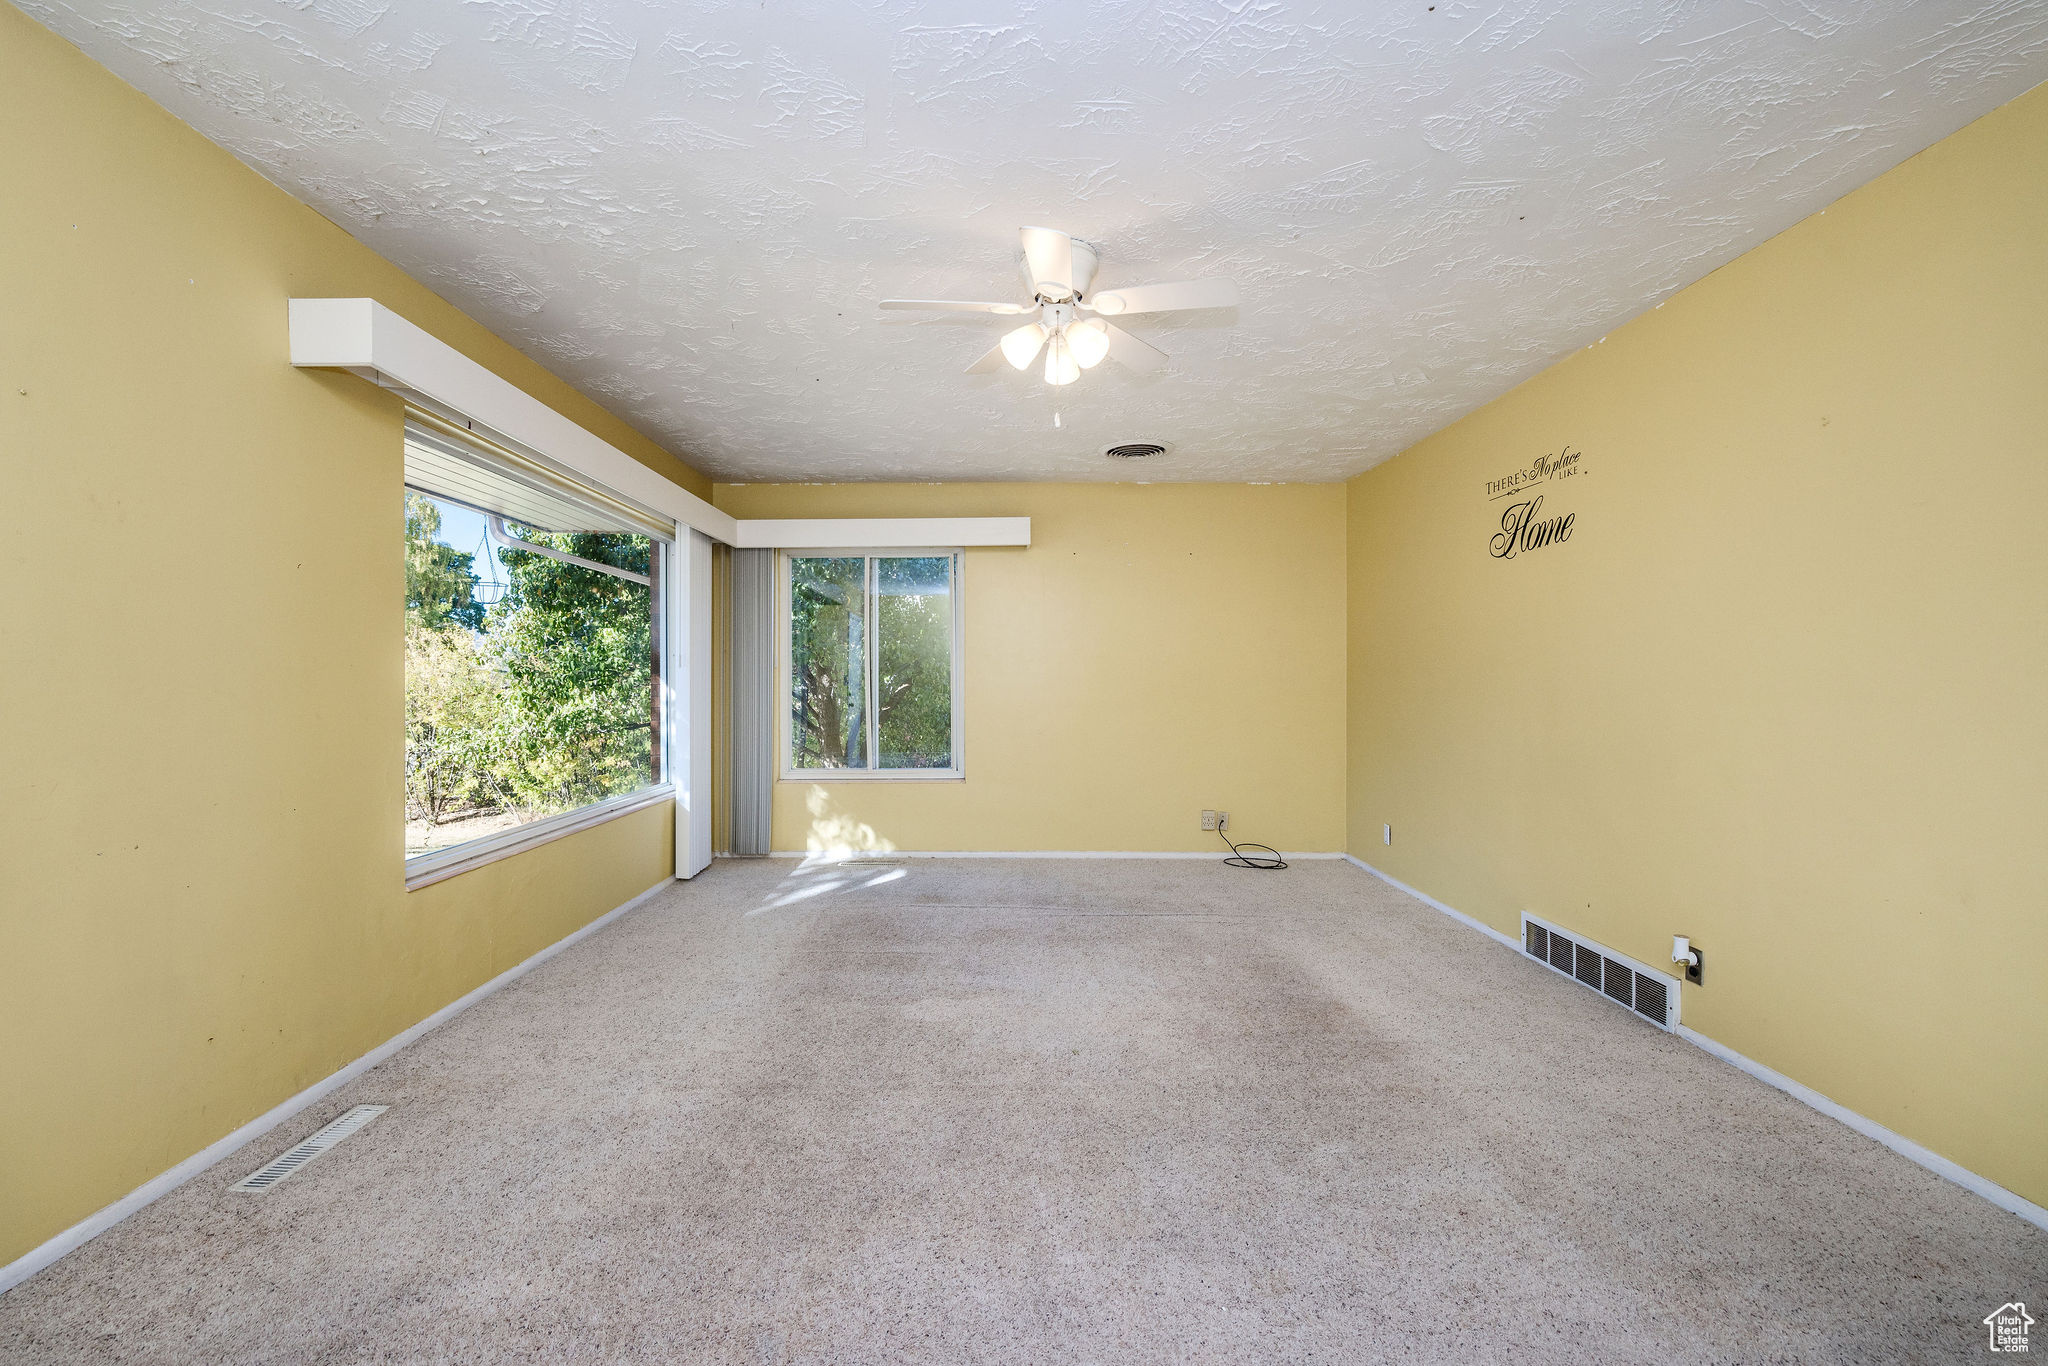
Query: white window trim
{"type": "Point", "coordinates": [423, 870]}
{"type": "Point", "coordinates": [364, 338]}
{"type": "Point", "coordinates": [367, 339]}
{"type": "Point", "coordinates": [785, 613]}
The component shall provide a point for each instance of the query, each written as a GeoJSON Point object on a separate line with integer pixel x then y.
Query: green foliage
{"type": "Point", "coordinates": [452, 709]}
{"type": "Point", "coordinates": [542, 702]}
{"type": "Point", "coordinates": [829, 643]}
{"type": "Point", "coordinates": [828, 605]}
{"type": "Point", "coordinates": [577, 650]}
{"type": "Point", "coordinates": [914, 675]}
{"type": "Point", "coordinates": [439, 583]}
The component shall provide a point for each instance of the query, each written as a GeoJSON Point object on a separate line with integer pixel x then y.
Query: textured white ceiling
{"type": "Point", "coordinates": [690, 209]}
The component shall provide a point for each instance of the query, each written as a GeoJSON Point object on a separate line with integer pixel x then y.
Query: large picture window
{"type": "Point", "coordinates": [874, 665]}
{"type": "Point", "coordinates": [533, 655]}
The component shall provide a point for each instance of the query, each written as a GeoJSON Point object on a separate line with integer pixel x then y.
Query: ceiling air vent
{"type": "Point", "coordinates": [1648, 992]}
{"type": "Point", "coordinates": [1136, 450]}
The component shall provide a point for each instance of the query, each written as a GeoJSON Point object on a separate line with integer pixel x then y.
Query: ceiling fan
{"type": "Point", "coordinates": [1071, 325]}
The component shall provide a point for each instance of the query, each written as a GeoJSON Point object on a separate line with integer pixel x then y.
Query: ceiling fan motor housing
{"type": "Point", "coordinates": [1086, 259]}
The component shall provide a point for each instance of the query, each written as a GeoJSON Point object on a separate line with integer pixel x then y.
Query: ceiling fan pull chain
{"type": "Point", "coordinates": [1052, 355]}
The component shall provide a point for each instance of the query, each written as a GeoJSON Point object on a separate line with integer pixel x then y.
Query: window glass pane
{"type": "Point", "coordinates": [914, 685]}
{"type": "Point", "coordinates": [530, 684]}
{"type": "Point", "coordinates": [828, 662]}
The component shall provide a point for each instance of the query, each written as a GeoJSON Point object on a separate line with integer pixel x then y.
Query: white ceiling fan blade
{"type": "Point", "coordinates": [1126, 349]}
{"type": "Point", "coordinates": [958, 306]}
{"type": "Point", "coordinates": [991, 360]}
{"type": "Point", "coordinates": [1166, 298]}
{"type": "Point", "coordinates": [1050, 254]}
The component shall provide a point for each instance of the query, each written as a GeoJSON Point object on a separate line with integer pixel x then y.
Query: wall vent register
{"type": "Point", "coordinates": [1649, 993]}
{"type": "Point", "coordinates": [288, 1163]}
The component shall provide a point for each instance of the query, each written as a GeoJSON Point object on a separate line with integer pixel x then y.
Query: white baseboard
{"type": "Point", "coordinates": [34, 1260]}
{"type": "Point", "coordinates": [1428, 900]}
{"type": "Point", "coordinates": [839, 856]}
{"type": "Point", "coordinates": [39, 1257]}
{"type": "Point", "coordinates": [1869, 1128]}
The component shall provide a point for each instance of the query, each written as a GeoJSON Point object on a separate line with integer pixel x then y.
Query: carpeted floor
{"type": "Point", "coordinates": [1050, 1112]}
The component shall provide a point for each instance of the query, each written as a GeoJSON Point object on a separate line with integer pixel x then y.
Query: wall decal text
{"type": "Point", "coordinates": [1522, 525]}
{"type": "Point", "coordinates": [1520, 530]}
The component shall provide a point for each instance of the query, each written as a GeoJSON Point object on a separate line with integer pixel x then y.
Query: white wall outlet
{"type": "Point", "coordinates": [1208, 820]}
{"type": "Point", "coordinates": [1386, 834]}
{"type": "Point", "coordinates": [1222, 820]}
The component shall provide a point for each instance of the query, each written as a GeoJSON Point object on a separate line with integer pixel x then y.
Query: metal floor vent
{"type": "Point", "coordinates": [1648, 992]}
{"type": "Point", "coordinates": [277, 1169]}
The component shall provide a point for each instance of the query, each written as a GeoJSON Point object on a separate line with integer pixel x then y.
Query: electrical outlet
{"type": "Point", "coordinates": [1222, 820]}
{"type": "Point", "coordinates": [1208, 820]}
{"type": "Point", "coordinates": [1386, 834]}
{"type": "Point", "coordinates": [1683, 950]}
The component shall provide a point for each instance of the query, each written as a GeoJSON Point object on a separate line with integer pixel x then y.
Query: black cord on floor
{"type": "Point", "coordinates": [1240, 859]}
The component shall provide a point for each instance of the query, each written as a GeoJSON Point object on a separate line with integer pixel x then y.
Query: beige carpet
{"type": "Point", "coordinates": [1049, 1112]}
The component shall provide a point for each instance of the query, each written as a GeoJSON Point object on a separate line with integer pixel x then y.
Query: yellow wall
{"type": "Point", "coordinates": [1785, 689]}
{"type": "Point", "coordinates": [1780, 691]}
{"type": "Point", "coordinates": [201, 898]}
{"type": "Point", "coordinates": [1158, 649]}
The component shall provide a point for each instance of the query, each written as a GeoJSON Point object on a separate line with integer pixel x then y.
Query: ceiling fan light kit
{"type": "Point", "coordinates": [1089, 341]}
{"type": "Point", "coordinates": [1072, 327]}
{"type": "Point", "coordinates": [1060, 365]}
{"type": "Point", "coordinates": [1021, 347]}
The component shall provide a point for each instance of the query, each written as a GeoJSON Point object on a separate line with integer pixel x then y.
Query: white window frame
{"type": "Point", "coordinates": [785, 587]}
{"type": "Point", "coordinates": [438, 865]}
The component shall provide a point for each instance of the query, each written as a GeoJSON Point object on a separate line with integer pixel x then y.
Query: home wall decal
{"type": "Point", "coordinates": [1522, 525]}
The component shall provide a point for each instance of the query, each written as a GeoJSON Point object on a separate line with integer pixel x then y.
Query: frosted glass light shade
{"type": "Point", "coordinates": [1060, 366]}
{"type": "Point", "coordinates": [1020, 348]}
{"type": "Point", "coordinates": [1088, 340]}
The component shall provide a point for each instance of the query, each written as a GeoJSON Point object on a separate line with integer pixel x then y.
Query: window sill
{"type": "Point", "coordinates": [870, 775]}
{"type": "Point", "coordinates": [423, 870]}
